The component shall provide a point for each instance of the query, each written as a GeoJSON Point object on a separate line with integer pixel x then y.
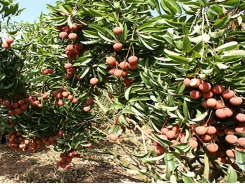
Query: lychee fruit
{"type": "Point", "coordinates": [241, 141]}
{"type": "Point", "coordinates": [240, 128]}
{"type": "Point", "coordinates": [229, 130]}
{"type": "Point", "coordinates": [187, 81]}
{"type": "Point", "coordinates": [164, 130]}
{"type": "Point", "coordinates": [228, 94]}
{"type": "Point", "coordinates": [9, 40]}
{"type": "Point", "coordinates": [219, 105]}
{"type": "Point", "coordinates": [240, 117]}
{"type": "Point", "coordinates": [170, 134]}
{"type": "Point", "coordinates": [211, 130]}
{"type": "Point", "coordinates": [94, 81]}
{"type": "Point", "coordinates": [117, 30]}
{"type": "Point", "coordinates": [117, 46]}
{"type": "Point", "coordinates": [206, 137]}
{"type": "Point", "coordinates": [113, 137]}
{"type": "Point", "coordinates": [193, 143]}
{"type": "Point", "coordinates": [211, 102]}
{"type": "Point", "coordinates": [72, 36]}
{"type": "Point", "coordinates": [228, 111]}
{"type": "Point", "coordinates": [195, 83]}
{"type": "Point", "coordinates": [236, 101]}
{"type": "Point", "coordinates": [230, 153]}
{"type": "Point", "coordinates": [63, 35]}
{"type": "Point", "coordinates": [220, 113]}
{"type": "Point", "coordinates": [205, 87]}
{"type": "Point", "coordinates": [208, 94]}
{"type": "Point", "coordinates": [195, 94]}
{"type": "Point", "coordinates": [217, 89]}
{"type": "Point", "coordinates": [212, 147]}
{"type": "Point", "coordinates": [232, 139]}
{"type": "Point", "coordinates": [201, 130]}
{"type": "Point", "coordinates": [133, 59]}
{"type": "Point", "coordinates": [159, 150]}
{"type": "Point", "coordinates": [111, 61]}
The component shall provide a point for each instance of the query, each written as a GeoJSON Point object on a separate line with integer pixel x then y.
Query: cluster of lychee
{"type": "Point", "coordinates": [7, 42]}
{"type": "Point", "coordinates": [73, 49]}
{"type": "Point", "coordinates": [20, 104]}
{"type": "Point", "coordinates": [19, 143]}
{"type": "Point", "coordinates": [173, 134]}
{"type": "Point", "coordinates": [216, 97]}
{"type": "Point", "coordinates": [66, 159]}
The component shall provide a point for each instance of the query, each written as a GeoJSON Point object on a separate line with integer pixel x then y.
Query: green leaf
{"type": "Point", "coordinates": [105, 38]}
{"type": "Point", "coordinates": [145, 44]}
{"type": "Point", "coordinates": [221, 22]}
{"type": "Point", "coordinates": [63, 9]}
{"type": "Point", "coordinates": [122, 119]}
{"type": "Point", "coordinates": [233, 53]}
{"type": "Point", "coordinates": [231, 175]}
{"type": "Point", "coordinates": [185, 110]}
{"type": "Point", "coordinates": [173, 6]}
{"type": "Point", "coordinates": [187, 179]}
{"type": "Point", "coordinates": [228, 46]}
{"type": "Point", "coordinates": [139, 99]}
{"type": "Point", "coordinates": [240, 159]}
{"type": "Point", "coordinates": [200, 117]}
{"type": "Point", "coordinates": [206, 167]}
{"type": "Point", "coordinates": [170, 163]}
{"type": "Point", "coordinates": [127, 93]}
{"type": "Point", "coordinates": [84, 72]}
{"type": "Point", "coordinates": [179, 59]}
{"type": "Point", "coordinates": [125, 33]}
{"type": "Point", "coordinates": [186, 44]}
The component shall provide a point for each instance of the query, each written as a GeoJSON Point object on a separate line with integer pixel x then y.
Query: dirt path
{"type": "Point", "coordinates": [41, 168]}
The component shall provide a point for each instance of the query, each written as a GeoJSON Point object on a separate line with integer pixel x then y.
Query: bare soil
{"type": "Point", "coordinates": [40, 167]}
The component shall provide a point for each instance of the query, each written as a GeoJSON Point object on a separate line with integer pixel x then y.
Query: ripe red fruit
{"type": "Point", "coordinates": [61, 102]}
{"type": "Point", "coordinates": [193, 143]}
{"type": "Point", "coordinates": [240, 128]}
{"type": "Point", "coordinates": [170, 134]}
{"type": "Point", "coordinates": [211, 102]}
{"type": "Point", "coordinates": [204, 103]}
{"type": "Point", "coordinates": [228, 111]}
{"type": "Point", "coordinates": [195, 83]}
{"type": "Point", "coordinates": [72, 36]}
{"type": "Point", "coordinates": [232, 139]}
{"type": "Point", "coordinates": [205, 87]}
{"type": "Point", "coordinates": [206, 137]}
{"type": "Point", "coordinates": [148, 131]}
{"type": "Point", "coordinates": [159, 150]}
{"type": "Point", "coordinates": [211, 130]}
{"type": "Point", "coordinates": [18, 111]}
{"type": "Point", "coordinates": [74, 27]}
{"type": "Point", "coordinates": [113, 137]}
{"type": "Point", "coordinates": [68, 65]}
{"type": "Point", "coordinates": [133, 59]}
{"type": "Point", "coordinates": [187, 82]}
{"type": "Point", "coordinates": [86, 109]}
{"type": "Point", "coordinates": [164, 130]}
{"type": "Point", "coordinates": [50, 70]}
{"type": "Point", "coordinates": [195, 94]}
{"type": "Point", "coordinates": [212, 147]}
{"type": "Point", "coordinates": [230, 153]}
{"type": "Point", "coordinates": [117, 46]}
{"type": "Point", "coordinates": [123, 65]}
{"type": "Point", "coordinates": [74, 100]}
{"type": "Point", "coordinates": [219, 105]}
{"type": "Point", "coordinates": [63, 35]}
{"type": "Point", "coordinates": [111, 61]}
{"type": "Point", "coordinates": [241, 141]}
{"type": "Point", "coordinates": [65, 94]}
{"type": "Point", "coordinates": [220, 113]}
{"type": "Point", "coordinates": [5, 45]}
{"type": "Point", "coordinates": [117, 30]}
{"type": "Point", "coordinates": [9, 40]}
{"type": "Point", "coordinates": [176, 128]}
{"type": "Point", "coordinates": [78, 46]}
{"type": "Point", "coordinates": [94, 81]}
{"type": "Point", "coordinates": [132, 66]}
{"type": "Point", "coordinates": [201, 130]}
{"type": "Point", "coordinates": [67, 29]}
{"type": "Point", "coordinates": [90, 101]}
{"type": "Point", "coordinates": [118, 73]}
{"type": "Point", "coordinates": [217, 89]}
{"type": "Point", "coordinates": [229, 130]}
{"type": "Point", "coordinates": [228, 94]}
{"type": "Point", "coordinates": [69, 47]}
{"type": "Point", "coordinates": [112, 71]}
{"type": "Point", "coordinates": [68, 167]}
{"type": "Point", "coordinates": [240, 117]}
{"type": "Point", "coordinates": [208, 94]}
{"type": "Point", "coordinates": [236, 101]}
